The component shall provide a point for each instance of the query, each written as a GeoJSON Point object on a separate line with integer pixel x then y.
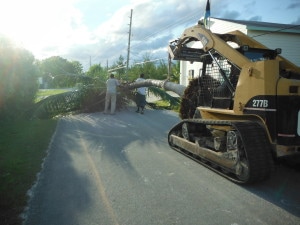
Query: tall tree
{"type": "Point", "coordinates": [59, 72]}
{"type": "Point", "coordinates": [18, 79]}
{"type": "Point", "coordinates": [150, 68]}
{"type": "Point", "coordinates": [97, 71]}
{"type": "Point", "coordinates": [77, 67]}
{"type": "Point", "coordinates": [175, 72]}
{"type": "Point", "coordinates": [161, 70]}
{"type": "Point", "coordinates": [57, 65]}
{"type": "Point", "coordinates": [119, 68]}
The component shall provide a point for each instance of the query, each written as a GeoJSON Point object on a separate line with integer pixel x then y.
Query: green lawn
{"type": "Point", "coordinates": [23, 145]}
{"type": "Point", "coordinates": [43, 93]}
{"type": "Point", "coordinates": [161, 104]}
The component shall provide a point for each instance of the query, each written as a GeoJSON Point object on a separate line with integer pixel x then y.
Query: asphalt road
{"type": "Point", "coordinates": [119, 170]}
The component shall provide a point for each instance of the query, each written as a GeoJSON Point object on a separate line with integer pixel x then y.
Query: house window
{"type": "Point", "coordinates": [191, 74]}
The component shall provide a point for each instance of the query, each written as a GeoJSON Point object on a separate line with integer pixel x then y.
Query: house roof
{"type": "Point", "coordinates": [266, 26]}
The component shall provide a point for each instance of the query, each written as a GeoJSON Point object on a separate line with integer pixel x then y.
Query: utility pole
{"type": "Point", "coordinates": [169, 66]}
{"type": "Point", "coordinates": [128, 50]}
{"type": "Point", "coordinates": [107, 67]}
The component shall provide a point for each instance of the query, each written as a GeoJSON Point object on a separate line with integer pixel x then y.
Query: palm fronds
{"type": "Point", "coordinates": [158, 92]}
{"type": "Point", "coordinates": [88, 98]}
{"type": "Point", "coordinates": [91, 98]}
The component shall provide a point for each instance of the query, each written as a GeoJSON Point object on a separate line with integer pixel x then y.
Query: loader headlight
{"type": "Point", "coordinates": [278, 51]}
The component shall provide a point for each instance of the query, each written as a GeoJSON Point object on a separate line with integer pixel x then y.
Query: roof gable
{"type": "Point", "coordinates": [265, 26]}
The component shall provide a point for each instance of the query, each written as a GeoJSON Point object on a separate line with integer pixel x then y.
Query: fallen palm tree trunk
{"type": "Point", "coordinates": [189, 96]}
{"type": "Point", "coordinates": [165, 84]}
{"type": "Point", "coordinates": [90, 98]}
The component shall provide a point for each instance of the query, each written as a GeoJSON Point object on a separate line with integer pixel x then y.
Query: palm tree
{"type": "Point", "coordinates": [90, 98]}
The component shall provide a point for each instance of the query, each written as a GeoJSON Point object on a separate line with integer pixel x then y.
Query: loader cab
{"type": "Point", "coordinates": [218, 79]}
{"type": "Point", "coordinates": [219, 76]}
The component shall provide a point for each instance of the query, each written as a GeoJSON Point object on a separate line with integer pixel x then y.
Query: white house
{"type": "Point", "coordinates": [272, 35]}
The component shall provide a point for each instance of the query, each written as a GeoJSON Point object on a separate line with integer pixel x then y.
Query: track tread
{"type": "Point", "coordinates": [258, 148]}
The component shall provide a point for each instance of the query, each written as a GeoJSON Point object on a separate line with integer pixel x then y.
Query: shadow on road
{"type": "Point", "coordinates": [61, 190]}
{"type": "Point", "coordinates": [71, 179]}
{"type": "Point", "coordinates": [84, 141]}
{"type": "Point", "coordinates": [282, 189]}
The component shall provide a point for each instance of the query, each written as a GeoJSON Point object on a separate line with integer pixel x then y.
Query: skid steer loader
{"type": "Point", "coordinates": [243, 110]}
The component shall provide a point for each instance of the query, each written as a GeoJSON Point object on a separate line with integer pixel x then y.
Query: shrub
{"type": "Point", "coordinates": [18, 80]}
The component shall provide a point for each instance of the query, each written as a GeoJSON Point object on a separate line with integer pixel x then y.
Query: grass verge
{"type": "Point", "coordinates": [161, 104]}
{"type": "Point", "coordinates": [23, 145]}
{"type": "Point", "coordinates": [43, 93]}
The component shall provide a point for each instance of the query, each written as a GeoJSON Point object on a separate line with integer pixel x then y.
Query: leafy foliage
{"type": "Point", "coordinates": [173, 101]}
{"type": "Point", "coordinates": [97, 71]}
{"type": "Point", "coordinates": [175, 72]}
{"type": "Point", "coordinates": [88, 98]}
{"type": "Point", "coordinates": [190, 100]}
{"type": "Point", "coordinates": [63, 81]}
{"type": "Point", "coordinates": [18, 76]}
{"type": "Point", "coordinates": [19, 73]}
{"type": "Point", "coordinates": [120, 68]}
{"type": "Point", "coordinates": [91, 98]}
{"type": "Point", "coordinates": [57, 65]}
{"type": "Point", "coordinates": [58, 72]}
{"type": "Point", "coordinates": [77, 67]}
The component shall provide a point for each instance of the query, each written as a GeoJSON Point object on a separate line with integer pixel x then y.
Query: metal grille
{"type": "Point", "coordinates": [213, 87]}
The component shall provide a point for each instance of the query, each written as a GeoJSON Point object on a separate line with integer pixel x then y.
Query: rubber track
{"type": "Point", "coordinates": [254, 139]}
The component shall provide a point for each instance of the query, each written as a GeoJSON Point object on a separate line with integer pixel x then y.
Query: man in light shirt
{"type": "Point", "coordinates": [111, 94]}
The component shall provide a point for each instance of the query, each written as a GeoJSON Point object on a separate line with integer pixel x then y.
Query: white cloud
{"type": "Point", "coordinates": [40, 25]}
{"type": "Point", "coordinates": [80, 29]}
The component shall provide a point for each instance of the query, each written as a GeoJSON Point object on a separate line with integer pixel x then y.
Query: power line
{"type": "Point", "coordinates": [191, 17]}
{"type": "Point", "coordinates": [121, 67]}
{"type": "Point", "coordinates": [186, 19]}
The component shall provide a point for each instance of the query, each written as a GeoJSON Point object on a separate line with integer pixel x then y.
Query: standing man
{"type": "Point", "coordinates": [141, 95]}
{"type": "Point", "coordinates": [111, 94]}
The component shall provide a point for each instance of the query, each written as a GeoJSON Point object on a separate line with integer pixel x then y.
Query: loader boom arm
{"type": "Point", "coordinates": [181, 49]}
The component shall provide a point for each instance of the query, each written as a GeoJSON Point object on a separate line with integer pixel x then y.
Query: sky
{"type": "Point", "coordinates": [97, 31]}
